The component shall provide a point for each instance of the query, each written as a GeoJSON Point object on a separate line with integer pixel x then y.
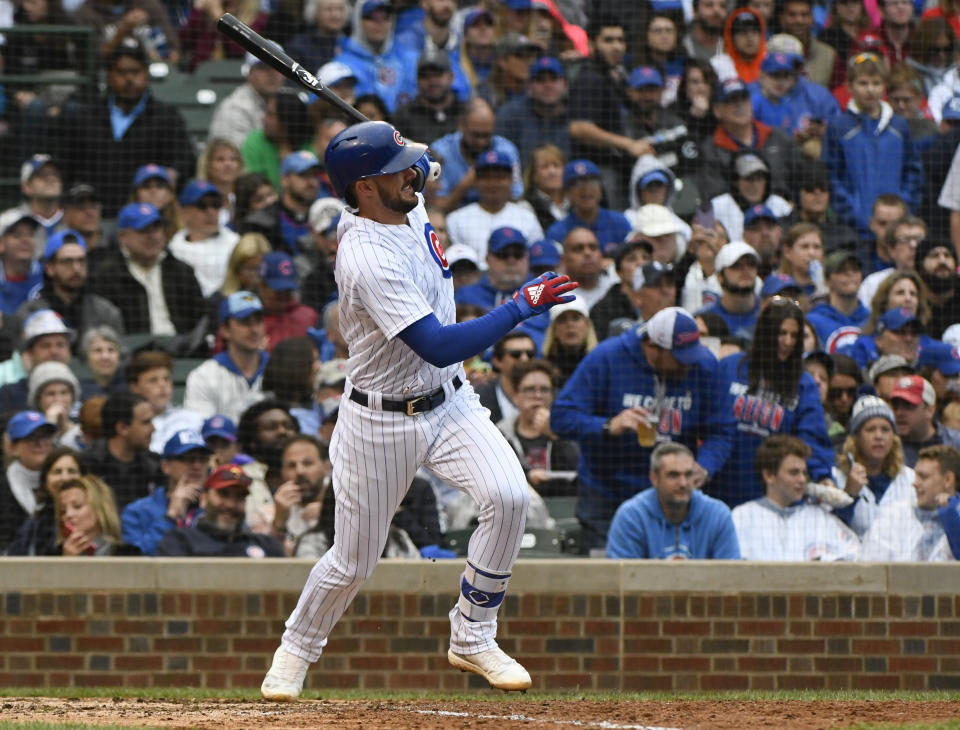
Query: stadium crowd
{"type": "Point", "coordinates": [761, 204]}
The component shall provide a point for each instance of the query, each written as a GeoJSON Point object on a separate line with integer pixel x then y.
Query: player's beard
{"type": "Point", "coordinates": [396, 201]}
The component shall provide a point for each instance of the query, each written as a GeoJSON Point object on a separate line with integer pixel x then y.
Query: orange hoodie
{"type": "Point", "coordinates": [748, 71]}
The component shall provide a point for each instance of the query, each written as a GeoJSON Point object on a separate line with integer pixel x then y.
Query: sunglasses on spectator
{"type": "Point", "coordinates": [510, 253]}
{"type": "Point", "coordinates": [834, 393]}
{"type": "Point", "coordinates": [517, 354]}
{"type": "Point", "coordinates": [206, 205]}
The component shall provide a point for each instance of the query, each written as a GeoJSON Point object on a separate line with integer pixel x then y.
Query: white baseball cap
{"type": "Point", "coordinates": [577, 305]}
{"type": "Point", "coordinates": [13, 216]}
{"type": "Point", "coordinates": [656, 220]}
{"type": "Point", "coordinates": [44, 322]}
{"type": "Point", "coordinates": [732, 252]}
{"type": "Point", "coordinates": [334, 72]}
{"type": "Point", "coordinates": [323, 212]}
{"type": "Point", "coordinates": [459, 252]}
{"type": "Point", "coordinates": [951, 335]}
{"type": "Point", "coordinates": [674, 329]}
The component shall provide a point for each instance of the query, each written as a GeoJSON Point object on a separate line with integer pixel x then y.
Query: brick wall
{"type": "Point", "coordinates": [629, 625]}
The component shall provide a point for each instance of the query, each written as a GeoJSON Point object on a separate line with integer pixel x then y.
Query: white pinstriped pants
{"type": "Point", "coordinates": [375, 455]}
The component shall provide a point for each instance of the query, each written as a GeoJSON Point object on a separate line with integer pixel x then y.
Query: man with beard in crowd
{"type": "Point", "coordinates": [705, 38]}
{"type": "Point", "coordinates": [538, 116]}
{"type": "Point", "coordinates": [434, 111]}
{"type": "Point", "coordinates": [661, 128]}
{"type": "Point", "coordinates": [937, 264]}
{"type": "Point", "coordinates": [736, 268]}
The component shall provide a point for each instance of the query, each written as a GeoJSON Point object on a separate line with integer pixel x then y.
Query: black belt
{"type": "Point", "coordinates": [413, 406]}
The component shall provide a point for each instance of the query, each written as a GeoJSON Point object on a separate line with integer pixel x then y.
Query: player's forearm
{"type": "Point", "coordinates": [443, 345]}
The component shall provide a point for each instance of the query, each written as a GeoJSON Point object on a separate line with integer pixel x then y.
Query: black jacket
{"type": "Point", "coordinates": [12, 515]}
{"type": "Point", "coordinates": [416, 120]}
{"type": "Point", "coordinates": [613, 305]}
{"type": "Point", "coordinates": [91, 154]}
{"type": "Point", "coordinates": [129, 482]}
{"type": "Point", "coordinates": [206, 541]}
{"type": "Point", "coordinates": [113, 281]}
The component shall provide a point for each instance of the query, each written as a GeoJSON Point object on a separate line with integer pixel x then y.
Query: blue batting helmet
{"type": "Point", "coordinates": [366, 150]}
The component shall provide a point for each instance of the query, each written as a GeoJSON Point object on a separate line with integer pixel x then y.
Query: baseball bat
{"type": "Point", "coordinates": [274, 56]}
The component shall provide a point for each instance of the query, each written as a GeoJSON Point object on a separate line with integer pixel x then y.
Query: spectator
{"type": "Point", "coordinates": [937, 264]}
{"type": "Point", "coordinates": [476, 49]}
{"type": "Point", "coordinates": [750, 185]}
{"type": "Point", "coordinates": [118, 25]}
{"type": "Point", "coordinates": [20, 276]}
{"type": "Point", "coordinates": [783, 525]}
{"type": "Point", "coordinates": [319, 286]}
{"type": "Point", "coordinates": [45, 338]}
{"type": "Point", "coordinates": [382, 66]}
{"type": "Point", "coordinates": [199, 40]}
{"type": "Point", "coordinates": [154, 290]}
{"type": "Point", "coordinates": [263, 428]}
{"type": "Point", "coordinates": [285, 221]}
{"type": "Point", "coordinates": [771, 393]}
{"type": "Point", "coordinates": [886, 209]}
{"type": "Point", "coordinates": [539, 116]}
{"type": "Point", "coordinates": [657, 225]}
{"type": "Point", "coordinates": [584, 189]}
{"type": "Point", "coordinates": [543, 183]}
{"type": "Point", "coordinates": [672, 520]}
{"type": "Point", "coordinates": [323, 36]}
{"type": "Point", "coordinates": [220, 435]}
{"type": "Point", "coordinates": [508, 263]}
{"type": "Point", "coordinates": [796, 19]}
{"type": "Point", "coordinates": [894, 30]}
{"type": "Point", "coordinates": [292, 376]}
{"type": "Point", "coordinates": [568, 338]}
{"type": "Point", "coordinates": [221, 165]}
{"type": "Point", "coordinates": [229, 381]}
{"type": "Point", "coordinates": [763, 231]}
{"type": "Point", "coordinates": [693, 98]}
{"type": "Point", "coordinates": [286, 129]}
{"type": "Point", "coordinates": [42, 187]}
{"type": "Point", "coordinates": [737, 131]}
{"type": "Point", "coordinates": [839, 320]}
{"type": "Point", "coordinates": [656, 382]}
{"type": "Point", "coordinates": [813, 206]}
{"type": "Point", "coordinates": [801, 258]}
{"type": "Point", "coordinates": [583, 262]}
{"type": "Point", "coordinates": [899, 290]}
{"type": "Point", "coordinates": [465, 267]}
{"type": "Point", "coordinates": [330, 382]}
{"type": "Point", "coordinates": [473, 224]}
{"type": "Point", "coordinates": [653, 183]}
{"type": "Point", "coordinates": [663, 52]}
{"type": "Point", "coordinates": [848, 18]}
{"type": "Point", "coordinates": [617, 303]}
{"type": "Point", "coordinates": [739, 306]}
{"type": "Point", "coordinates": [870, 467]}
{"type": "Point", "coordinates": [37, 534]}
{"type": "Point", "coordinates": [907, 98]}
{"type": "Point", "coordinates": [514, 54]}
{"type": "Point", "coordinates": [845, 382]}
{"type": "Point", "coordinates": [82, 210]}
{"type": "Point", "coordinates": [111, 138]}
{"type": "Point", "coordinates": [88, 521]}
{"type": "Point", "coordinates": [914, 406]}
{"type": "Point", "coordinates": [220, 531]}
{"type": "Point", "coordinates": [701, 287]}
{"type": "Point", "coordinates": [284, 315]}
{"type": "Point", "coordinates": [869, 149]}
{"type": "Point", "coordinates": [123, 458]}
{"type": "Point", "coordinates": [150, 374]}
{"type": "Point", "coordinates": [175, 504]}
{"type": "Point", "coordinates": [913, 529]}
{"type": "Point", "coordinates": [704, 38]}
{"type": "Point", "coordinates": [744, 46]}
{"type": "Point", "coordinates": [153, 184]}
{"type": "Point", "coordinates": [31, 440]}
{"type": "Point", "coordinates": [897, 247]}
{"type": "Point", "coordinates": [457, 150]}
{"type": "Point", "coordinates": [434, 111]}
{"type": "Point", "coordinates": [936, 157]}
{"type": "Point", "coordinates": [498, 395]}
{"type": "Point", "coordinates": [243, 268]}
{"type": "Point", "coordinates": [653, 288]}
{"type": "Point", "coordinates": [886, 372]}
{"type": "Point", "coordinates": [243, 110]}
{"type": "Point", "coordinates": [100, 349]}
{"type": "Point", "coordinates": [202, 243]}
{"type": "Point", "coordinates": [436, 32]}
{"type": "Point", "coordinates": [55, 392]}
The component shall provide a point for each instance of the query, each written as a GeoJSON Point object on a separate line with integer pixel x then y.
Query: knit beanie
{"type": "Point", "coordinates": [46, 373]}
{"type": "Point", "coordinates": [867, 407]}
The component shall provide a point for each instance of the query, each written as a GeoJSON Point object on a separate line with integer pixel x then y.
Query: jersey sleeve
{"type": "Point", "coordinates": [382, 282]}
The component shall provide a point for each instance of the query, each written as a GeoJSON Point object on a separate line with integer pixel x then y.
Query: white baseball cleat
{"type": "Point", "coordinates": [284, 681]}
{"type": "Point", "coordinates": [500, 670]}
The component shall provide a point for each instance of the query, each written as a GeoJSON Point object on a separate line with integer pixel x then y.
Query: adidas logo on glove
{"type": "Point", "coordinates": [533, 294]}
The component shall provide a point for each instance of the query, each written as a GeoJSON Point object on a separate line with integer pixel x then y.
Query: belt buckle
{"type": "Point", "coordinates": [414, 402]}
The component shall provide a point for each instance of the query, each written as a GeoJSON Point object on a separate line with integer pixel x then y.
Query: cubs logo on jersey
{"type": "Point", "coordinates": [436, 250]}
{"type": "Point", "coordinates": [841, 337]}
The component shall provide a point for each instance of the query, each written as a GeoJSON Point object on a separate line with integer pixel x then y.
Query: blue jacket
{"type": "Point", "coordinates": [482, 294]}
{"type": "Point", "coordinates": [741, 325]}
{"type": "Point", "coordinates": [950, 519]}
{"type": "Point", "coordinates": [614, 376]}
{"type": "Point", "coordinates": [758, 418]}
{"type": "Point", "coordinates": [641, 530]}
{"type": "Point", "coordinates": [391, 75]}
{"type": "Point", "coordinates": [144, 522]}
{"type": "Point", "coordinates": [805, 101]}
{"type": "Point", "coordinates": [447, 148]}
{"type": "Point", "coordinates": [868, 157]}
{"type": "Point", "coordinates": [864, 350]}
{"type": "Point", "coordinates": [832, 325]}
{"type": "Point", "coordinates": [611, 228]}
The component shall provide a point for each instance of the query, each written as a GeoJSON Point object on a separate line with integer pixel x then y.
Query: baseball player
{"type": "Point", "coordinates": [407, 404]}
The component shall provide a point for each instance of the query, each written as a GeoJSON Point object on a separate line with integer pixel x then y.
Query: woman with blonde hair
{"type": "Point", "coordinates": [88, 520]}
{"type": "Point", "coordinates": [221, 164]}
{"type": "Point", "coordinates": [870, 467]}
{"type": "Point", "coordinates": [243, 268]}
{"type": "Point", "coordinates": [569, 337]}
{"type": "Point", "coordinates": [543, 185]}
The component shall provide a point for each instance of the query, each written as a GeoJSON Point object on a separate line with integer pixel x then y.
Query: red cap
{"type": "Point", "coordinates": [228, 475]}
{"type": "Point", "coordinates": [914, 389]}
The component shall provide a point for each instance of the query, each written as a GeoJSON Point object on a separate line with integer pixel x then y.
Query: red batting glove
{"type": "Point", "coordinates": [538, 295]}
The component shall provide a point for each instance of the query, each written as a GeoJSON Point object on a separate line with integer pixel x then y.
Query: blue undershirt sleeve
{"type": "Point", "coordinates": [442, 345]}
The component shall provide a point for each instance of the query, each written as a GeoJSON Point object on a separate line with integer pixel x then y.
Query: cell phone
{"type": "Point", "coordinates": [705, 217]}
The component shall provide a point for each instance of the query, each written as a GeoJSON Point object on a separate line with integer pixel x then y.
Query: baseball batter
{"type": "Point", "coordinates": [407, 403]}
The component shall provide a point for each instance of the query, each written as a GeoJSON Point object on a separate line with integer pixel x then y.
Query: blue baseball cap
{"type": "Point", "coordinates": [503, 237]}
{"type": "Point", "coordinates": [477, 14]}
{"type": "Point", "coordinates": [240, 305]}
{"type": "Point", "coordinates": [776, 283]}
{"type": "Point", "coordinates": [183, 442]}
{"type": "Point", "coordinates": [138, 216]}
{"type": "Point", "coordinates": [729, 89]}
{"type": "Point", "coordinates": [652, 177]}
{"type": "Point", "coordinates": [544, 252]}
{"type": "Point", "coordinates": [579, 169]}
{"type": "Point", "coordinates": [26, 423]}
{"type": "Point", "coordinates": [221, 426]}
{"type": "Point", "coordinates": [29, 168]}
{"type": "Point", "coordinates": [896, 319]}
{"type": "Point", "coordinates": [644, 76]}
{"type": "Point", "coordinates": [61, 239]}
{"type": "Point", "coordinates": [519, 4]}
{"type": "Point", "coordinates": [758, 212]}
{"type": "Point", "coordinates": [297, 163]}
{"type": "Point", "coordinates": [546, 65]}
{"type": "Point", "coordinates": [942, 357]}
{"type": "Point", "coordinates": [493, 158]}
{"type": "Point", "coordinates": [674, 329]}
{"type": "Point", "coordinates": [951, 109]}
{"type": "Point", "coordinates": [192, 194]}
{"type": "Point", "coordinates": [279, 272]}
{"type": "Point", "coordinates": [371, 6]}
{"type": "Point", "coordinates": [775, 62]}
{"type": "Point", "coordinates": [151, 172]}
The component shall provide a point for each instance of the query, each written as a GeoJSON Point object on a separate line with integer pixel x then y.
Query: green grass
{"type": "Point", "coordinates": [950, 725]}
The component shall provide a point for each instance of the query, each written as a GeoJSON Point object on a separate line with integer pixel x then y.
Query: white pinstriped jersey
{"type": "Point", "coordinates": [390, 276]}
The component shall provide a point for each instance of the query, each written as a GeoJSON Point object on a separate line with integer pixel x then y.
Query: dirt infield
{"type": "Point", "coordinates": [217, 714]}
